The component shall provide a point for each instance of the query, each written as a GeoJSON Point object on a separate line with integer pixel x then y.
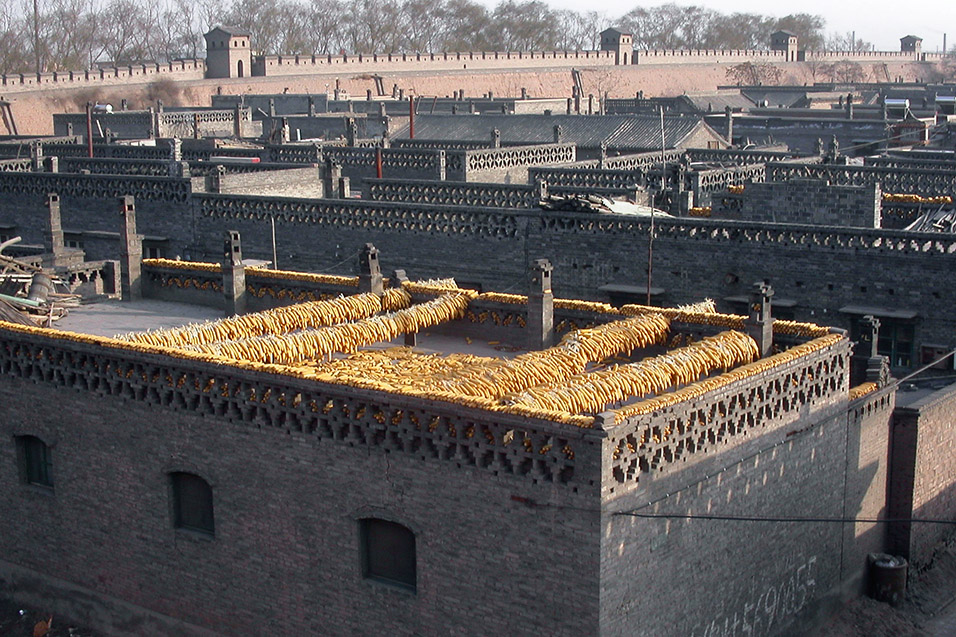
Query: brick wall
{"type": "Point", "coordinates": [287, 498]}
{"type": "Point", "coordinates": [701, 577]}
{"type": "Point", "coordinates": [821, 269]}
{"type": "Point", "coordinates": [805, 201]}
{"type": "Point", "coordinates": [924, 463]}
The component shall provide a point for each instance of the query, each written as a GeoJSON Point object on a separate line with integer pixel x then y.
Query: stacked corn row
{"type": "Point", "coordinates": [171, 264]}
{"type": "Point", "coordinates": [564, 304]}
{"type": "Point", "coordinates": [585, 306]}
{"type": "Point", "coordinates": [434, 286]}
{"type": "Point", "coordinates": [689, 314]}
{"type": "Point", "coordinates": [699, 211]}
{"type": "Point", "coordinates": [291, 349]}
{"type": "Point", "coordinates": [698, 389]}
{"type": "Point", "coordinates": [402, 367]}
{"type": "Point", "coordinates": [278, 321]}
{"type": "Point", "coordinates": [862, 390]}
{"type": "Point", "coordinates": [899, 198]}
{"type": "Point", "coordinates": [558, 363]}
{"type": "Point", "coordinates": [500, 297]}
{"type": "Point", "coordinates": [592, 392]}
{"type": "Point", "coordinates": [305, 277]}
{"type": "Point", "coordinates": [797, 328]}
{"type": "Point", "coordinates": [707, 306]}
{"type": "Point", "coordinates": [729, 321]}
{"type": "Point", "coordinates": [735, 190]}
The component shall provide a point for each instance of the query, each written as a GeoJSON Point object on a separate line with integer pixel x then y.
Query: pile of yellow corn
{"type": "Point", "coordinates": [862, 390]}
{"type": "Point", "coordinates": [171, 264]}
{"type": "Point", "coordinates": [304, 277]}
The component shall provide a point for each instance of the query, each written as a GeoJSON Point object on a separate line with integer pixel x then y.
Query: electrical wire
{"type": "Point", "coordinates": [746, 518]}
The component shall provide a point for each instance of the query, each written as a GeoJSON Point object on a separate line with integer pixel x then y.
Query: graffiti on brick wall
{"type": "Point", "coordinates": [769, 609]}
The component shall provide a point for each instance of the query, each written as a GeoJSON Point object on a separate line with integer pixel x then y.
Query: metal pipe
{"type": "Point", "coordinates": [411, 117]}
{"type": "Point", "coordinates": [378, 162]}
{"type": "Point", "coordinates": [275, 258]}
{"type": "Point", "coordinates": [89, 129]}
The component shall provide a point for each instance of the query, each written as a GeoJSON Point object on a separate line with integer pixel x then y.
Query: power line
{"type": "Point", "coordinates": [745, 518]}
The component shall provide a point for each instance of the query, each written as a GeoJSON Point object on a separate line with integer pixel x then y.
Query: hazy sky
{"type": "Point", "coordinates": [878, 21]}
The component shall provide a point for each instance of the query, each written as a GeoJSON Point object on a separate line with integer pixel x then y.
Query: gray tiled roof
{"type": "Point", "coordinates": [587, 131]}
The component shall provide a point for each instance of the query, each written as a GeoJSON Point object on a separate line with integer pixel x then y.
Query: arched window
{"type": "Point", "coordinates": [36, 461]}
{"type": "Point", "coordinates": [388, 552]}
{"type": "Point", "coordinates": [192, 503]}
{"type": "Point", "coordinates": [239, 69]}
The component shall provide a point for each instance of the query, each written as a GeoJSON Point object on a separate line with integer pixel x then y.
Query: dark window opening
{"type": "Point", "coordinates": [36, 461]}
{"type": "Point", "coordinates": [388, 553]}
{"type": "Point", "coordinates": [154, 251]}
{"type": "Point", "coordinates": [192, 503]}
{"type": "Point", "coordinates": [896, 340]}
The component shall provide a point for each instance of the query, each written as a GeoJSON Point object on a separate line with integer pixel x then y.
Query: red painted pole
{"type": "Point", "coordinates": [378, 162]}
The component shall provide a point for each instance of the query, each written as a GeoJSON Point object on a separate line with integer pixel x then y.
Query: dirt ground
{"type": "Point", "coordinates": [929, 609]}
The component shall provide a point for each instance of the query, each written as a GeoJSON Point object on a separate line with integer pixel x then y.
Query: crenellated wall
{"type": "Point", "coordinates": [193, 69]}
{"type": "Point", "coordinates": [300, 64]}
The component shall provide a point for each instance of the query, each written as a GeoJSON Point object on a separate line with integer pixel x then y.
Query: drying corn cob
{"type": "Point", "coordinates": [277, 321]}
{"type": "Point", "coordinates": [710, 384]}
{"type": "Point", "coordinates": [593, 391]}
{"type": "Point", "coordinates": [171, 264]}
{"type": "Point", "coordinates": [346, 337]}
{"type": "Point", "coordinates": [862, 390]}
{"type": "Point", "coordinates": [901, 198]}
{"type": "Point", "coordinates": [570, 357]}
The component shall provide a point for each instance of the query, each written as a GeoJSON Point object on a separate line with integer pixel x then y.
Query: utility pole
{"type": "Point", "coordinates": [650, 238]}
{"type": "Point", "coordinates": [36, 34]}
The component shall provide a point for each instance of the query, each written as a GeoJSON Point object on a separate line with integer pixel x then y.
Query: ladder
{"type": "Point", "coordinates": [7, 115]}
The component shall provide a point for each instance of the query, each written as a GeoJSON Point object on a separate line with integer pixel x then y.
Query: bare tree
{"type": "Point", "coordinates": [846, 72]}
{"type": "Point", "coordinates": [325, 16]}
{"type": "Point", "coordinates": [529, 26]}
{"type": "Point", "coordinates": [466, 26]}
{"type": "Point", "coordinates": [754, 74]}
{"type": "Point", "coordinates": [847, 42]}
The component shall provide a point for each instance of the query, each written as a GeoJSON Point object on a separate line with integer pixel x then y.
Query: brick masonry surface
{"type": "Point", "coordinates": [821, 269]}
{"type": "Point", "coordinates": [499, 549]}
{"type": "Point", "coordinates": [923, 470]}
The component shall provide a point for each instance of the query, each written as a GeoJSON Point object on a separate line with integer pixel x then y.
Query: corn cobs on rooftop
{"type": "Point", "coordinates": [344, 341]}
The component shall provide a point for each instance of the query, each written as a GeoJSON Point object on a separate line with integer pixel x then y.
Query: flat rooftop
{"type": "Point", "coordinates": [608, 358]}
{"type": "Point", "coordinates": [111, 317]}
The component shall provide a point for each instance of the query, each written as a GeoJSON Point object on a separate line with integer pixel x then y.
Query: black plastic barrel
{"type": "Point", "coordinates": [886, 579]}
